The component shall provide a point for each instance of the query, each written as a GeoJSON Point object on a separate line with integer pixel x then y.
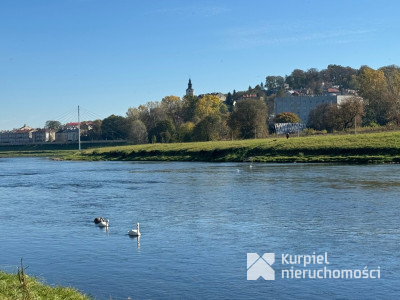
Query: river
{"type": "Point", "coordinates": [198, 223]}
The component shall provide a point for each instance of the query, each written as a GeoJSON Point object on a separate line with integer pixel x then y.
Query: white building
{"type": "Point", "coordinates": [302, 105]}
{"type": "Point", "coordinates": [43, 135]}
{"type": "Point", "coordinates": [18, 136]}
{"type": "Point", "coordinates": [67, 135]}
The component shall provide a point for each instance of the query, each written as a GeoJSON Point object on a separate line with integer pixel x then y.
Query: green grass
{"type": "Point", "coordinates": [383, 147]}
{"type": "Point", "coordinates": [11, 288]}
{"type": "Point", "coordinates": [359, 148]}
{"type": "Point", "coordinates": [36, 153]}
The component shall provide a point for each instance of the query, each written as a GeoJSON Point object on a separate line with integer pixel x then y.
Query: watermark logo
{"type": "Point", "coordinates": [311, 266]}
{"type": "Point", "coordinates": [260, 266]}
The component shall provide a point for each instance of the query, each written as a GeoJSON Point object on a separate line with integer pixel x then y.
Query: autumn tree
{"type": "Point", "coordinates": [372, 86]}
{"type": "Point", "coordinates": [173, 108]}
{"type": "Point", "coordinates": [349, 113]}
{"type": "Point", "coordinates": [207, 105]}
{"type": "Point", "coordinates": [391, 95]}
{"type": "Point", "coordinates": [185, 132]}
{"type": "Point", "coordinates": [323, 117]}
{"type": "Point", "coordinates": [152, 113]}
{"type": "Point", "coordinates": [137, 132]}
{"type": "Point", "coordinates": [139, 113]}
{"type": "Point", "coordinates": [287, 117]}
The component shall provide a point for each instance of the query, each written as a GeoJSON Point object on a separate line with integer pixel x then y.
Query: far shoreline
{"type": "Point", "coordinates": [363, 148]}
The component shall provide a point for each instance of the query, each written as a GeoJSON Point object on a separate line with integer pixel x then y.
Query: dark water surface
{"type": "Point", "coordinates": [198, 222]}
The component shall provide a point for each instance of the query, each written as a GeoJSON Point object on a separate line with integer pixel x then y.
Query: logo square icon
{"type": "Point", "coordinates": [260, 266]}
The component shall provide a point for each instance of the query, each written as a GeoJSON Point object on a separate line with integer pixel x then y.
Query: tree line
{"type": "Point", "coordinates": [188, 119]}
{"type": "Point", "coordinates": [207, 118]}
{"type": "Point", "coordinates": [380, 105]}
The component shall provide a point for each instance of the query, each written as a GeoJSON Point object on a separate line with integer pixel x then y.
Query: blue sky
{"type": "Point", "coordinates": [107, 56]}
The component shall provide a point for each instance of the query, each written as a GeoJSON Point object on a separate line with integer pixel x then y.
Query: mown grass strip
{"type": "Point", "coordinates": [360, 148]}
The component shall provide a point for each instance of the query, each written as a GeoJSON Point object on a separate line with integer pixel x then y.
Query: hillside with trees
{"type": "Point", "coordinates": [247, 114]}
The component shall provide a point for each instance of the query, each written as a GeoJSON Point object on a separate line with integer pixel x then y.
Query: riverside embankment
{"type": "Point", "coordinates": [352, 148]}
{"type": "Point", "coordinates": [383, 147]}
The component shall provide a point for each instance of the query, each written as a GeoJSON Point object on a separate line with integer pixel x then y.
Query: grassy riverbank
{"type": "Point", "coordinates": [382, 147]}
{"type": "Point", "coordinates": [352, 148]}
{"type": "Point", "coordinates": [13, 287]}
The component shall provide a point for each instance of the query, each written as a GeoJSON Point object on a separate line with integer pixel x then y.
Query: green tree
{"type": "Point", "coordinates": [114, 128]}
{"type": "Point", "coordinates": [209, 129]}
{"type": "Point", "coordinates": [287, 117]}
{"type": "Point", "coordinates": [164, 132]}
{"type": "Point", "coordinates": [189, 107]}
{"type": "Point", "coordinates": [297, 79]}
{"type": "Point", "coordinates": [229, 101]}
{"type": "Point", "coordinates": [150, 114]}
{"type": "Point", "coordinates": [185, 132]}
{"type": "Point", "coordinates": [249, 119]}
{"type": "Point", "coordinates": [339, 75]}
{"type": "Point", "coordinates": [52, 125]}
{"type": "Point", "coordinates": [95, 132]}
{"type": "Point", "coordinates": [274, 83]}
{"type": "Point", "coordinates": [313, 81]}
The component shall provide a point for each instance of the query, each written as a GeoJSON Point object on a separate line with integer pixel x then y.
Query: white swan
{"type": "Point", "coordinates": [101, 222]}
{"type": "Point", "coordinates": [104, 223]}
{"type": "Point", "coordinates": [134, 232]}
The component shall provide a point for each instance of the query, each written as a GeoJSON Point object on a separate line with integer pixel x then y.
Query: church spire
{"type": "Point", "coordinates": [190, 90]}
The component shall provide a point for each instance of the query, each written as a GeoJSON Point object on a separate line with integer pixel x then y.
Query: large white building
{"type": "Point", "coordinates": [302, 105]}
{"type": "Point", "coordinates": [26, 135]}
{"type": "Point", "coordinates": [18, 136]}
{"type": "Point", "coordinates": [67, 135]}
{"type": "Point", "coordinates": [43, 135]}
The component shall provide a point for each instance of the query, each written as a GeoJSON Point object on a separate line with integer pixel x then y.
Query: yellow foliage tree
{"type": "Point", "coordinates": [170, 100]}
{"type": "Point", "coordinates": [185, 132]}
{"type": "Point", "coordinates": [172, 105]}
{"type": "Point", "coordinates": [207, 106]}
{"type": "Point", "coordinates": [381, 90]}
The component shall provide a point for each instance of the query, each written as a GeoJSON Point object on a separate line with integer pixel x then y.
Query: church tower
{"type": "Point", "coordinates": [190, 90]}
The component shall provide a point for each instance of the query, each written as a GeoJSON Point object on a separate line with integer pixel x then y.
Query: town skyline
{"type": "Point", "coordinates": [119, 55]}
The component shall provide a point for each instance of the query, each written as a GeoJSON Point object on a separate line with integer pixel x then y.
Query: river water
{"type": "Point", "coordinates": [198, 222]}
